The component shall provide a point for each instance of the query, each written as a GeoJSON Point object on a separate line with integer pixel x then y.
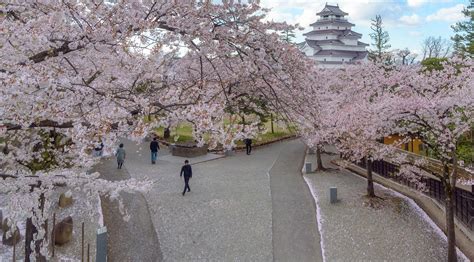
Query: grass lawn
{"type": "Point", "coordinates": [183, 133]}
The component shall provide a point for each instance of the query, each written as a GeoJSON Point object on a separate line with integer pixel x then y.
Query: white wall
{"type": "Point", "coordinates": [323, 37]}
{"type": "Point", "coordinates": [328, 27]}
{"type": "Point", "coordinates": [333, 58]}
{"type": "Point", "coordinates": [343, 48]}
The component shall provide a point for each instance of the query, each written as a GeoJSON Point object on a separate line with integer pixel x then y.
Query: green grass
{"type": "Point", "coordinates": [184, 133]}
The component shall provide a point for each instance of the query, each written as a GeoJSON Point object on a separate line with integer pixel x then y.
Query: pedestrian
{"type": "Point", "coordinates": [154, 147]}
{"type": "Point", "coordinates": [188, 173]}
{"type": "Point", "coordinates": [120, 154]}
{"type": "Point", "coordinates": [248, 145]}
{"type": "Point", "coordinates": [98, 149]}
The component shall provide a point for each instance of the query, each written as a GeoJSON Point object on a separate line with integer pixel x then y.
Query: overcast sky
{"type": "Point", "coordinates": [408, 22]}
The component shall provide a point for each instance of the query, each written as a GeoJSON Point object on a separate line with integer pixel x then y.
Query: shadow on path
{"type": "Point", "coordinates": [295, 233]}
{"type": "Point", "coordinates": [135, 240]}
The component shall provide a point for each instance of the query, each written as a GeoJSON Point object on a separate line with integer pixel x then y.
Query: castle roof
{"type": "Point", "coordinates": [333, 22]}
{"type": "Point", "coordinates": [331, 10]}
{"type": "Point", "coordinates": [357, 54]}
{"type": "Point", "coordinates": [345, 33]}
{"type": "Point", "coordinates": [324, 42]}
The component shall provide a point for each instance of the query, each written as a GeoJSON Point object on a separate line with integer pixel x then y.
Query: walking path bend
{"type": "Point", "coordinates": [246, 208]}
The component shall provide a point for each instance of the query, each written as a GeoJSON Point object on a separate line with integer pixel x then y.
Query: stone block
{"type": "Point", "coordinates": [4, 224]}
{"type": "Point", "coordinates": [65, 199]}
{"type": "Point", "coordinates": [63, 231]}
{"type": "Point", "coordinates": [188, 150]}
{"type": "Point", "coordinates": [10, 237]}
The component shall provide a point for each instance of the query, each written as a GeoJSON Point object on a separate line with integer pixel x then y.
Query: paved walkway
{"type": "Point", "coordinates": [393, 229]}
{"type": "Point", "coordinates": [295, 233]}
{"type": "Point", "coordinates": [228, 214]}
{"type": "Point", "coordinates": [135, 240]}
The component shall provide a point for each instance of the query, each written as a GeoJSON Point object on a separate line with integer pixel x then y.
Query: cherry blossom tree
{"type": "Point", "coordinates": [438, 107]}
{"type": "Point", "coordinates": [74, 73]}
{"type": "Point", "coordinates": [346, 108]}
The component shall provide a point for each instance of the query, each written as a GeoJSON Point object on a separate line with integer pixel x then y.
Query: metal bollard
{"type": "Point", "coordinates": [333, 195]}
{"type": "Point", "coordinates": [101, 246]}
{"type": "Point", "coordinates": [308, 167]}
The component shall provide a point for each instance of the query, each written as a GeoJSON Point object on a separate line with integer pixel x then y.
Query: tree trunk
{"type": "Point", "coordinates": [271, 123]}
{"type": "Point", "coordinates": [166, 133]}
{"type": "Point", "coordinates": [370, 181]}
{"type": "Point", "coordinates": [319, 161]}
{"type": "Point", "coordinates": [449, 183]}
{"type": "Point", "coordinates": [30, 231]}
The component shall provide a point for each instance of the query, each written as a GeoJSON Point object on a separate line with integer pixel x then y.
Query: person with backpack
{"type": "Point", "coordinates": [154, 147]}
{"type": "Point", "coordinates": [188, 173]}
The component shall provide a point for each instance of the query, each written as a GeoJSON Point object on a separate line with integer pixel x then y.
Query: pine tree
{"type": "Point", "coordinates": [288, 35]}
{"type": "Point", "coordinates": [380, 39]}
{"type": "Point", "coordinates": [464, 37]}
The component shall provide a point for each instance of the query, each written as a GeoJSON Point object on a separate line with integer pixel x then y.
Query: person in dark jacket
{"type": "Point", "coordinates": [120, 154]}
{"type": "Point", "coordinates": [248, 145]}
{"type": "Point", "coordinates": [188, 173]}
{"type": "Point", "coordinates": [154, 147]}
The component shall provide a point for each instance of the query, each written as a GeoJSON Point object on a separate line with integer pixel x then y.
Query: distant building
{"type": "Point", "coordinates": [332, 42]}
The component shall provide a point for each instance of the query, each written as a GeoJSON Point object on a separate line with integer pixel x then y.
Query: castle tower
{"type": "Point", "coordinates": [331, 41]}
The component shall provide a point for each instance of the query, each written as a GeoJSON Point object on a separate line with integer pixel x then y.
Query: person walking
{"type": "Point", "coordinates": [248, 145]}
{"type": "Point", "coordinates": [188, 173]}
{"type": "Point", "coordinates": [154, 147]}
{"type": "Point", "coordinates": [120, 154]}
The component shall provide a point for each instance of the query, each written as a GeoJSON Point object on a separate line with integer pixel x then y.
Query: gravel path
{"type": "Point", "coordinates": [295, 233]}
{"type": "Point", "coordinates": [227, 216]}
{"type": "Point", "coordinates": [392, 229]}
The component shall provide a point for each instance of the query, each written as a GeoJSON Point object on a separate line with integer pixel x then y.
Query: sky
{"type": "Point", "coordinates": [408, 22]}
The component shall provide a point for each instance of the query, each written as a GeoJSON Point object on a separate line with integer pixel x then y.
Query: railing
{"type": "Point", "coordinates": [463, 199]}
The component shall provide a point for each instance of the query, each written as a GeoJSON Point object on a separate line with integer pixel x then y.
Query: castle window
{"type": "Point", "coordinates": [325, 59]}
{"type": "Point", "coordinates": [326, 37]}
{"type": "Point", "coordinates": [326, 27]}
{"type": "Point", "coordinates": [343, 60]}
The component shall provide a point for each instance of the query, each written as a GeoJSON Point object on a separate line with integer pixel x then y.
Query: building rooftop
{"type": "Point", "coordinates": [335, 32]}
{"type": "Point", "coordinates": [331, 22]}
{"type": "Point", "coordinates": [331, 10]}
{"type": "Point", "coordinates": [360, 55]}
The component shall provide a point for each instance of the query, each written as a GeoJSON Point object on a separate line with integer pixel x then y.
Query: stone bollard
{"type": "Point", "coordinates": [308, 168]}
{"type": "Point", "coordinates": [333, 195]}
{"type": "Point", "coordinates": [65, 199]}
{"type": "Point", "coordinates": [11, 233]}
{"type": "Point", "coordinates": [101, 245]}
{"type": "Point", "coordinates": [63, 231]}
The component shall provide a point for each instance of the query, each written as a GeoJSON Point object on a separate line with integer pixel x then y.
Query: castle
{"type": "Point", "coordinates": [332, 42]}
